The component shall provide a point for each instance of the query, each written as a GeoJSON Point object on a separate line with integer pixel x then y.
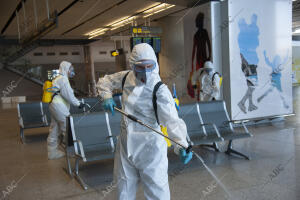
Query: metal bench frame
{"type": "Point", "coordinates": [230, 149]}
{"type": "Point", "coordinates": [80, 153]}
{"type": "Point", "coordinates": [21, 121]}
{"type": "Point", "coordinates": [204, 131]}
{"type": "Point", "coordinates": [214, 145]}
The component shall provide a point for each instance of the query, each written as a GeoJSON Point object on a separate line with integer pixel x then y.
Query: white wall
{"type": "Point", "coordinates": [98, 46]}
{"type": "Point", "coordinates": [216, 30]}
{"type": "Point", "coordinates": [105, 63]}
{"type": "Point", "coordinates": [56, 59]}
{"type": "Point", "coordinates": [171, 57]}
{"type": "Point", "coordinates": [225, 55]}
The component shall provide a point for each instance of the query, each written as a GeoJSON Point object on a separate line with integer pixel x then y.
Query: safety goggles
{"type": "Point", "coordinates": [144, 66]}
{"type": "Point", "coordinates": [71, 71]}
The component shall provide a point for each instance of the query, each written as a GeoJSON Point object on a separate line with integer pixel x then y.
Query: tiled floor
{"type": "Point", "coordinates": [272, 173]}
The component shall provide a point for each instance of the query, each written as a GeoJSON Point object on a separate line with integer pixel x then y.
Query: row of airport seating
{"type": "Point", "coordinates": [92, 133]}
{"type": "Point", "coordinates": [37, 114]}
{"type": "Point", "coordinates": [93, 136]}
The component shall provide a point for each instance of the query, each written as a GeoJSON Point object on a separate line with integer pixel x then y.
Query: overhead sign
{"type": "Point", "coordinates": [145, 30]}
{"type": "Point", "coordinates": [155, 42]}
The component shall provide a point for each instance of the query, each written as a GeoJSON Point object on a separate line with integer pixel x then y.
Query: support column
{"type": "Point", "coordinates": [121, 59]}
{"type": "Point", "coordinates": [90, 84]}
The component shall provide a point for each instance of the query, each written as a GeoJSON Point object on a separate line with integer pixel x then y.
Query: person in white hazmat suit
{"type": "Point", "coordinates": [59, 108]}
{"type": "Point", "coordinates": [209, 81]}
{"type": "Point", "coordinates": [141, 154]}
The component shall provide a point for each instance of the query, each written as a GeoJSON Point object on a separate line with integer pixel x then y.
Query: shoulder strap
{"type": "Point", "coordinates": [154, 99]}
{"type": "Point", "coordinates": [201, 72]}
{"type": "Point", "coordinates": [124, 79]}
{"type": "Point", "coordinates": [200, 76]}
{"type": "Point", "coordinates": [55, 93]}
{"type": "Point", "coordinates": [213, 77]}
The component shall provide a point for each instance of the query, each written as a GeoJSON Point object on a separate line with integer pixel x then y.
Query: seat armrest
{"type": "Point", "coordinates": [21, 122]}
{"type": "Point", "coordinates": [111, 136]}
{"type": "Point", "coordinates": [45, 120]}
{"type": "Point", "coordinates": [81, 155]}
{"type": "Point", "coordinates": [239, 122]}
{"type": "Point", "coordinates": [113, 145]}
{"type": "Point", "coordinates": [214, 126]}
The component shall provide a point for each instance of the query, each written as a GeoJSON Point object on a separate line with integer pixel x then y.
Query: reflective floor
{"type": "Point", "coordinates": [272, 173]}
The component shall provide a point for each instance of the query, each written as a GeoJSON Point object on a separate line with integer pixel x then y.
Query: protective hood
{"type": "Point", "coordinates": [208, 65]}
{"type": "Point", "coordinates": [64, 68]}
{"type": "Point", "coordinates": [143, 51]}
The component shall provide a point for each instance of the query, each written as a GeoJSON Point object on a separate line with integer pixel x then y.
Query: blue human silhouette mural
{"type": "Point", "coordinates": [277, 66]}
{"type": "Point", "coordinates": [248, 42]}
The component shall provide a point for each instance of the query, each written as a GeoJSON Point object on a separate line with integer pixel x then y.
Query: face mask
{"type": "Point", "coordinates": [208, 70]}
{"type": "Point", "coordinates": [141, 76]}
{"type": "Point", "coordinates": [143, 69]}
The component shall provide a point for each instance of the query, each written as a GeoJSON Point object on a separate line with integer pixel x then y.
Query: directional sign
{"type": "Point", "coordinates": [145, 30]}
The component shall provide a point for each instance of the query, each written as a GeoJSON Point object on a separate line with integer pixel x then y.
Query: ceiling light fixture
{"type": "Point", "coordinates": [117, 21]}
{"type": "Point", "coordinates": [97, 32]}
{"type": "Point", "coordinates": [93, 32]}
{"type": "Point", "coordinates": [121, 22]}
{"type": "Point", "coordinates": [149, 7]}
{"type": "Point", "coordinates": [157, 9]}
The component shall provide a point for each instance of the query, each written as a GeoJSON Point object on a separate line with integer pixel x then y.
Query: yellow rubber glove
{"type": "Point", "coordinates": [165, 132]}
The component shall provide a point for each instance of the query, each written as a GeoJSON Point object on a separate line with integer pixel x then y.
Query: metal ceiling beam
{"type": "Point", "coordinates": [68, 7]}
{"type": "Point", "coordinates": [185, 3]}
{"type": "Point", "coordinates": [49, 42]}
{"type": "Point", "coordinates": [13, 15]}
{"type": "Point", "coordinates": [91, 18]}
{"type": "Point", "coordinates": [19, 6]}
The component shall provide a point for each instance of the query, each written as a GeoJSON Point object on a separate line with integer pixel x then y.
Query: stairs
{"type": "Point", "coordinates": [20, 53]}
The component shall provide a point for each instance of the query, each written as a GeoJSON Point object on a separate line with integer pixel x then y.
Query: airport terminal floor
{"type": "Point", "coordinates": [272, 173]}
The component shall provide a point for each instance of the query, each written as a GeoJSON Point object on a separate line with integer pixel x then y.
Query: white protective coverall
{"type": "Point", "coordinates": [59, 109]}
{"type": "Point", "coordinates": [141, 154]}
{"type": "Point", "coordinates": [209, 86]}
